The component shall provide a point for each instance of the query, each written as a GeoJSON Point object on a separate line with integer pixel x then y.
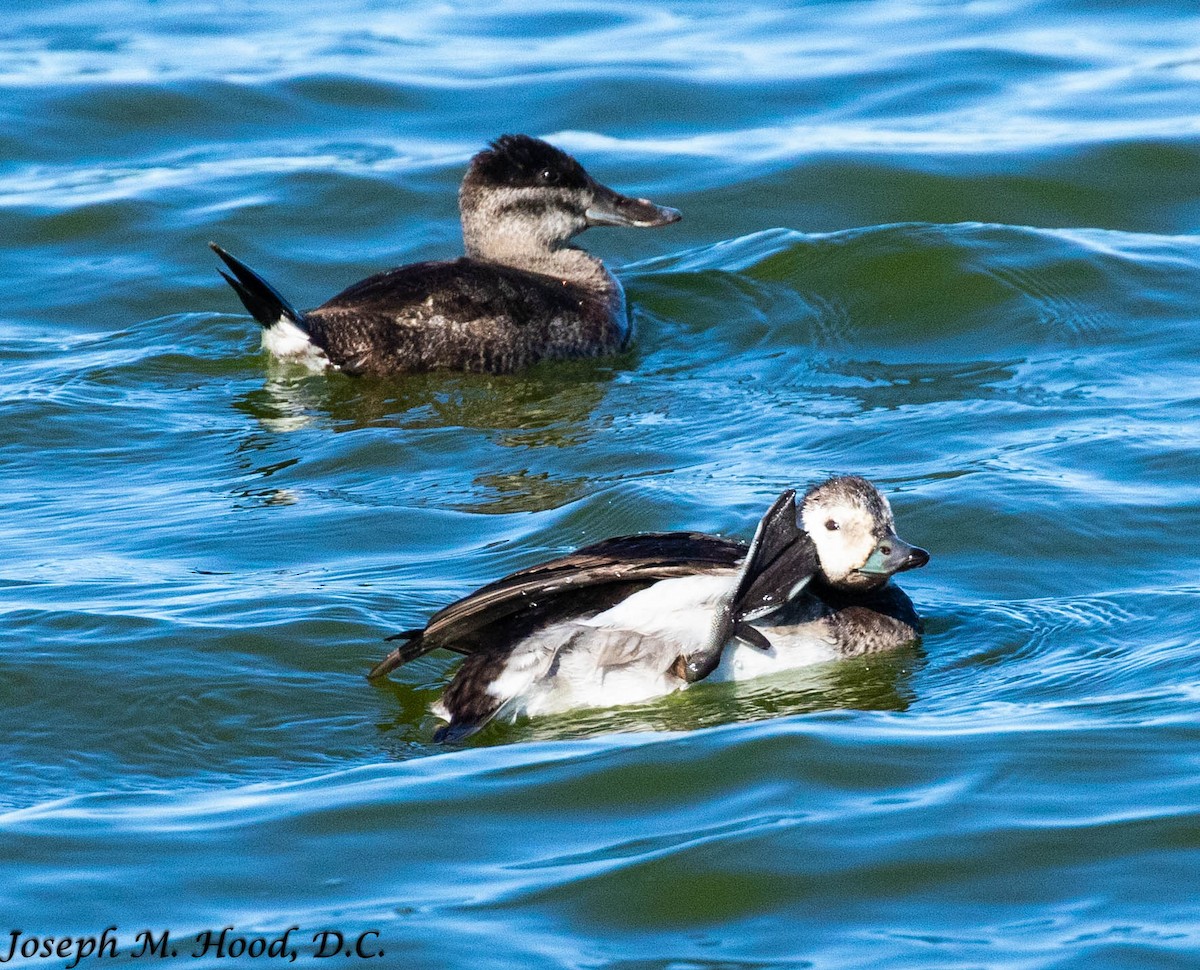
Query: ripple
{"type": "Point", "coordinates": [977, 284]}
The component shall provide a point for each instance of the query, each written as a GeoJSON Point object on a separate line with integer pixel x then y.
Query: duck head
{"type": "Point", "coordinates": [522, 195]}
{"type": "Point", "coordinates": [851, 525]}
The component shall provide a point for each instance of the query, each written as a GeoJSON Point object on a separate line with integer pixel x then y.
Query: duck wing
{"type": "Point", "coordinates": [780, 563]}
{"type": "Point", "coordinates": [464, 314]}
{"type": "Point", "coordinates": [590, 579]}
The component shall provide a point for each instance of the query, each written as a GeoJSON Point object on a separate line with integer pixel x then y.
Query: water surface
{"type": "Point", "coordinates": [948, 246]}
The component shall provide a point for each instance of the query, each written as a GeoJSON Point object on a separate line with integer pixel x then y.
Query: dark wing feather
{"type": "Point", "coordinates": [590, 579]}
{"type": "Point", "coordinates": [605, 570]}
{"type": "Point", "coordinates": [781, 561]}
{"type": "Point", "coordinates": [412, 647]}
{"type": "Point", "coordinates": [462, 288]}
{"type": "Point", "coordinates": [413, 318]}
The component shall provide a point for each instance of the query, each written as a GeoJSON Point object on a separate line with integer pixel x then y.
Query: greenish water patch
{"type": "Point", "coordinates": [949, 249]}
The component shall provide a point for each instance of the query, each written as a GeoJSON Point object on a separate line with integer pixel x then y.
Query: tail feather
{"type": "Point", "coordinates": [413, 648]}
{"type": "Point", "coordinates": [264, 302]}
{"type": "Point", "coordinates": [461, 729]}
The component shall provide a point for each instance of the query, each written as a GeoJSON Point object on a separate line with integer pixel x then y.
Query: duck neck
{"type": "Point", "coordinates": [524, 230]}
{"type": "Point", "coordinates": [567, 263]}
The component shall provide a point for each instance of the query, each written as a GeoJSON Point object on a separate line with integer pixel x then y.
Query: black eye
{"type": "Point", "coordinates": [832, 526]}
{"type": "Point", "coordinates": [547, 176]}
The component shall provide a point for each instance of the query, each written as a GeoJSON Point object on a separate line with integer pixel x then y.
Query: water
{"type": "Point", "coordinates": [952, 247]}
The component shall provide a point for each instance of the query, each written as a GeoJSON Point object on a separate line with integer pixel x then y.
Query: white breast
{"type": "Point", "coordinates": [791, 647]}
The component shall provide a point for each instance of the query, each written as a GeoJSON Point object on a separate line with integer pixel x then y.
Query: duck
{"type": "Point", "coordinates": [637, 617]}
{"type": "Point", "coordinates": [522, 293]}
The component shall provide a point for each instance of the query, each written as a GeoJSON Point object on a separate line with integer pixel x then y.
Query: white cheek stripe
{"type": "Point", "coordinates": [848, 548]}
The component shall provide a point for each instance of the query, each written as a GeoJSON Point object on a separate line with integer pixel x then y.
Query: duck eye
{"type": "Point", "coordinates": [547, 176]}
{"type": "Point", "coordinates": [832, 526]}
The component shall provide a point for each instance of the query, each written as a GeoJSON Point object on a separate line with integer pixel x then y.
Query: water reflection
{"type": "Point", "coordinates": [548, 405]}
{"type": "Point", "coordinates": [552, 406]}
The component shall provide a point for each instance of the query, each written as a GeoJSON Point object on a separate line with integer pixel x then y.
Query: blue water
{"type": "Point", "coordinates": [950, 246]}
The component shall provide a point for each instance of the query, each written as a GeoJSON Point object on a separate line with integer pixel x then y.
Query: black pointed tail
{"type": "Point", "coordinates": [263, 301]}
{"type": "Point", "coordinates": [413, 647]}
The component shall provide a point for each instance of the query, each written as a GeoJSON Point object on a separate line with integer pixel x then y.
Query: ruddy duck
{"type": "Point", "coordinates": [637, 617]}
{"type": "Point", "coordinates": [521, 294]}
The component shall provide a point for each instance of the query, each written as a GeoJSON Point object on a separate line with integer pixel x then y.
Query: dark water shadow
{"type": "Point", "coordinates": [549, 404]}
{"type": "Point", "coordinates": [554, 405]}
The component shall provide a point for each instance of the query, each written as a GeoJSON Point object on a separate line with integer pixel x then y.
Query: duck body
{"type": "Point", "coordinates": [823, 624]}
{"type": "Point", "coordinates": [522, 293]}
{"type": "Point", "coordinates": [467, 315]}
{"type": "Point", "coordinates": [638, 617]}
{"type": "Point", "coordinates": [627, 654]}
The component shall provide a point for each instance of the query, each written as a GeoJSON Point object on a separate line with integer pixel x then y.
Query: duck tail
{"type": "Point", "coordinates": [468, 703]}
{"type": "Point", "coordinates": [263, 301]}
{"type": "Point", "coordinates": [459, 730]}
{"type": "Point", "coordinates": [413, 647]}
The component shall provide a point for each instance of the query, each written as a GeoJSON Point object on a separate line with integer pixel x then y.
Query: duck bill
{"type": "Point", "coordinates": [611, 208]}
{"type": "Point", "coordinates": [893, 555]}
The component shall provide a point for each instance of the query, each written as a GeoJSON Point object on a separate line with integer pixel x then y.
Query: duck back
{"type": "Point", "coordinates": [466, 314]}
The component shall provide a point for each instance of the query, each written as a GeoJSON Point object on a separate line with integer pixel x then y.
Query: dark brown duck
{"type": "Point", "coordinates": [522, 293]}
